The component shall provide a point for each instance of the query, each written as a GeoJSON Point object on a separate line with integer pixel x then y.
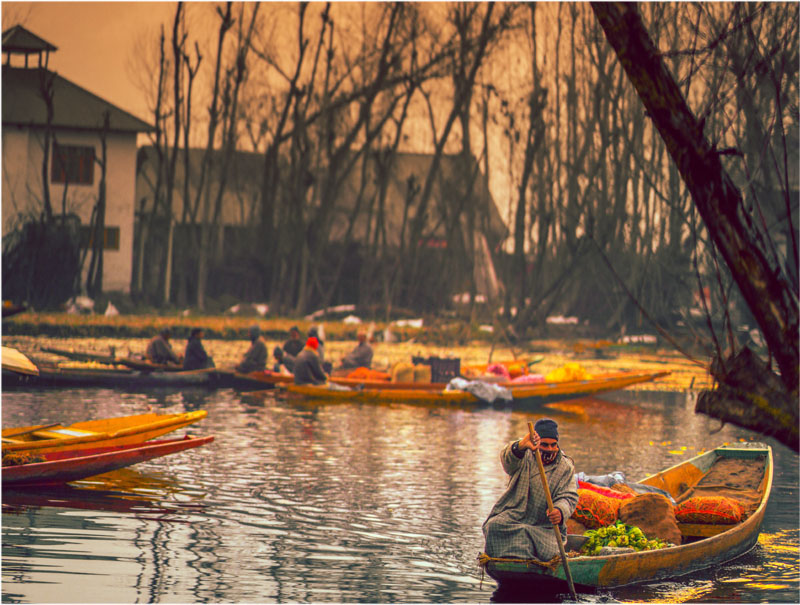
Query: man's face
{"type": "Point", "coordinates": [294, 334]}
{"type": "Point", "coordinates": [549, 449]}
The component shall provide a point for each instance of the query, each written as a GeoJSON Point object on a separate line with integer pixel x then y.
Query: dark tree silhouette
{"type": "Point", "coordinates": [719, 202]}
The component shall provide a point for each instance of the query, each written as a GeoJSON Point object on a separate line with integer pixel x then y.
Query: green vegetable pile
{"type": "Point", "coordinates": [619, 534]}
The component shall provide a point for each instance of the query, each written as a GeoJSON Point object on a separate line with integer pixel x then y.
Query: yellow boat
{"type": "Point", "coordinates": [524, 395]}
{"type": "Point", "coordinates": [703, 545]}
{"type": "Point", "coordinates": [123, 430]}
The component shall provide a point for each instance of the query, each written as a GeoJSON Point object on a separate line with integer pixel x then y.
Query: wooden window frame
{"type": "Point", "coordinates": [110, 237]}
{"type": "Point", "coordinates": [72, 164]}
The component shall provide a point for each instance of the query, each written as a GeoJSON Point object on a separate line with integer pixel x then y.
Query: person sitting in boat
{"type": "Point", "coordinates": [361, 355]}
{"type": "Point", "coordinates": [159, 350]}
{"type": "Point", "coordinates": [294, 345]}
{"type": "Point", "coordinates": [284, 363]}
{"type": "Point", "coordinates": [307, 365]}
{"type": "Point", "coordinates": [519, 526]}
{"type": "Point", "coordinates": [195, 356]}
{"type": "Point", "coordinates": [255, 359]}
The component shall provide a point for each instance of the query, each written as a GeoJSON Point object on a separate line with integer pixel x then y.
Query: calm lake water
{"type": "Point", "coordinates": [311, 502]}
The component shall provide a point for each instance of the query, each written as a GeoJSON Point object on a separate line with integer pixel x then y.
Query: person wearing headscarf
{"type": "Point", "coordinates": [159, 350]}
{"type": "Point", "coordinates": [519, 525]}
{"type": "Point", "coordinates": [307, 366]}
{"type": "Point", "coordinates": [361, 355]}
{"type": "Point", "coordinates": [294, 345]}
{"type": "Point", "coordinates": [255, 359]}
{"type": "Point", "coordinates": [195, 356]}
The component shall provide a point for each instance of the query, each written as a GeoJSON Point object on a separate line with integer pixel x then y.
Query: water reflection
{"type": "Point", "coordinates": [303, 501]}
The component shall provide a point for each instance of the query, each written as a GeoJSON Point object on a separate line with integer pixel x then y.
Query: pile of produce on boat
{"type": "Point", "coordinates": [622, 536]}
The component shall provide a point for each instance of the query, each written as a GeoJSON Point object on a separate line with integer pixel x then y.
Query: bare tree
{"type": "Point", "coordinates": [718, 200]}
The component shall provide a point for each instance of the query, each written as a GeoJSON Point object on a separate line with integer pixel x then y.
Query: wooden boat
{"type": "Point", "coordinates": [704, 545]}
{"type": "Point", "coordinates": [71, 465]}
{"type": "Point", "coordinates": [122, 430]}
{"type": "Point", "coordinates": [51, 375]}
{"type": "Point", "coordinates": [524, 395]}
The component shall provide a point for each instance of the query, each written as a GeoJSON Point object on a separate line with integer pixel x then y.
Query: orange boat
{"type": "Point", "coordinates": [122, 430]}
{"type": "Point", "coordinates": [524, 395]}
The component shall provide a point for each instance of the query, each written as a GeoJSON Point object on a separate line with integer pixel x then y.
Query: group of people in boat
{"type": "Point", "coordinates": [306, 362]}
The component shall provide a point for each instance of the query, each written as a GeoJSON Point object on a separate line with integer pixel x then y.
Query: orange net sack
{"type": "Point", "coordinates": [596, 510]}
{"type": "Point", "coordinates": [710, 509]}
{"type": "Point", "coordinates": [367, 374]}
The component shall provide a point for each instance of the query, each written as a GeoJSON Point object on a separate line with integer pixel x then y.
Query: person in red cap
{"type": "Point", "coordinates": [307, 366]}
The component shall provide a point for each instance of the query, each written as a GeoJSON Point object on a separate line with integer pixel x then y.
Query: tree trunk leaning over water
{"type": "Point", "coordinates": [718, 201]}
{"type": "Point", "coordinates": [752, 396]}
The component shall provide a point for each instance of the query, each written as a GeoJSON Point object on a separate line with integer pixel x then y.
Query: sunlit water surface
{"type": "Point", "coordinates": [315, 502]}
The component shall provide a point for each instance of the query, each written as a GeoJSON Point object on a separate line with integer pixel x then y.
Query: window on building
{"type": "Point", "coordinates": [72, 164]}
{"type": "Point", "coordinates": [110, 238]}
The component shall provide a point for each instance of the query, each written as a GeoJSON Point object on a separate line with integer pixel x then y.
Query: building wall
{"type": "Point", "coordinates": [22, 190]}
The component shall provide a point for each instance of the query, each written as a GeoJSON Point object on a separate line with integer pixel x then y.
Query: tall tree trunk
{"type": "Point", "coordinates": [718, 200]}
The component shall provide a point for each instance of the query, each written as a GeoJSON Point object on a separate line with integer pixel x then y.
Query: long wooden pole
{"type": "Point", "coordinates": [556, 529]}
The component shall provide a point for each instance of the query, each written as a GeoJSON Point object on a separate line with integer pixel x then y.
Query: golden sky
{"type": "Point", "coordinates": [94, 40]}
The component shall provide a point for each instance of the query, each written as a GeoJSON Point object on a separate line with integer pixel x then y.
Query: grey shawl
{"type": "Point", "coordinates": [517, 526]}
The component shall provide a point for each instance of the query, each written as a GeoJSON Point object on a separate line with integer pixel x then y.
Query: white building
{"type": "Point", "coordinates": [73, 172]}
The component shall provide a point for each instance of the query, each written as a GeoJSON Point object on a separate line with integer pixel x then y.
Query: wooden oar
{"type": "Point", "coordinates": [556, 529]}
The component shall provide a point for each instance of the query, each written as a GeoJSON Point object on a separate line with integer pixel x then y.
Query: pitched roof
{"type": "Point", "coordinates": [19, 40]}
{"type": "Point", "coordinates": [74, 107]}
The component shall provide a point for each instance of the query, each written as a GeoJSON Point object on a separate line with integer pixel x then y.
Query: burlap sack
{"type": "Point", "coordinates": [576, 527]}
{"type": "Point", "coordinates": [403, 372]}
{"type": "Point", "coordinates": [654, 515]}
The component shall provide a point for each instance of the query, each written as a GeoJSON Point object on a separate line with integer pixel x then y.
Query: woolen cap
{"type": "Point", "coordinates": [546, 428]}
{"type": "Point", "coordinates": [312, 343]}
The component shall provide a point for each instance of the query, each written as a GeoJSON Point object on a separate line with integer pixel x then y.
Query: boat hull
{"type": "Point", "coordinates": [53, 377]}
{"type": "Point", "coordinates": [123, 430]}
{"type": "Point", "coordinates": [647, 566]}
{"type": "Point", "coordinates": [523, 395]}
{"type": "Point", "coordinates": [65, 466]}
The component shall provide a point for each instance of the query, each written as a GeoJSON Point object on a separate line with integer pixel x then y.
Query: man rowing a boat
{"type": "Point", "coordinates": [519, 526]}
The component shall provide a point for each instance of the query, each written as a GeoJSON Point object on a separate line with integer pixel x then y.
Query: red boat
{"type": "Point", "coordinates": [71, 465]}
